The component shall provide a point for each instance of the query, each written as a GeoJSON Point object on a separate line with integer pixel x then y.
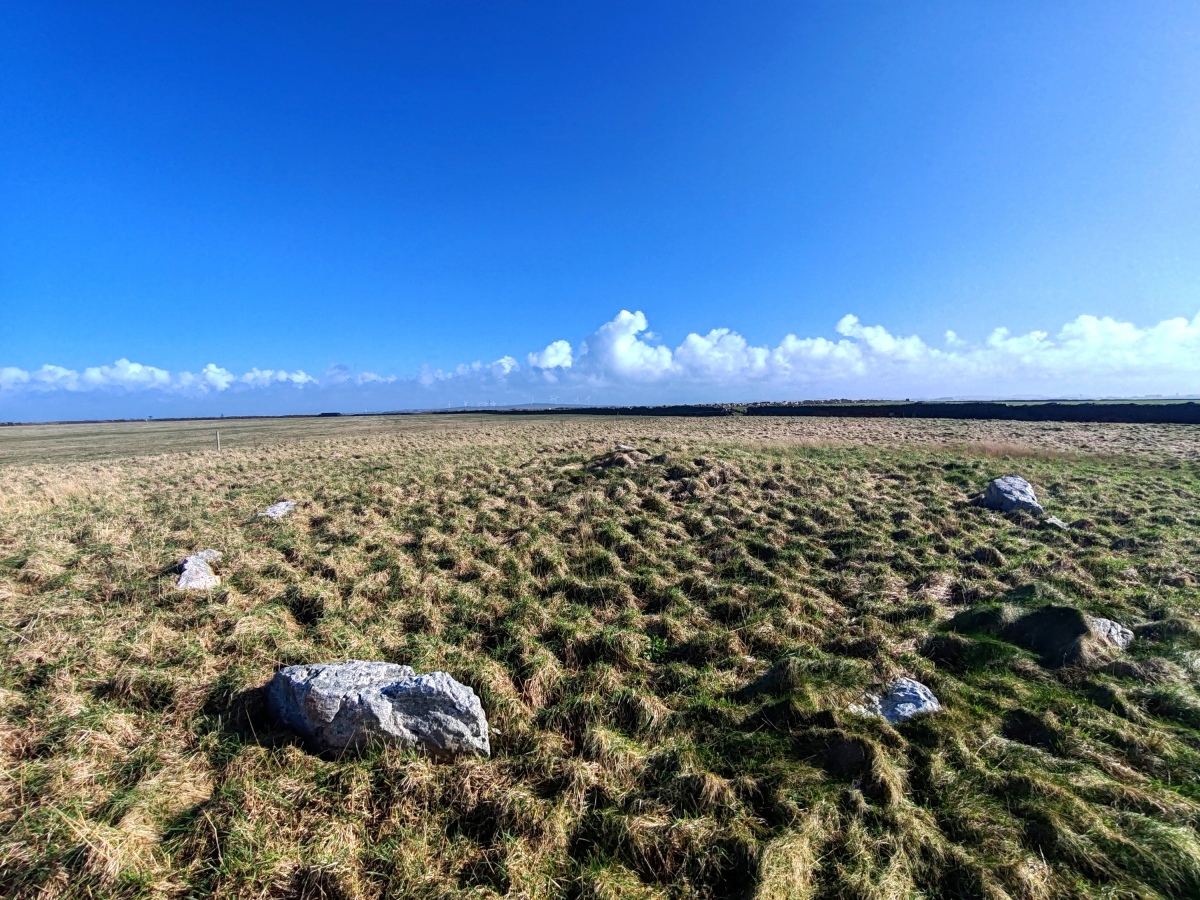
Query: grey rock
{"type": "Point", "coordinates": [1055, 522]}
{"type": "Point", "coordinates": [624, 447]}
{"type": "Point", "coordinates": [1112, 632]}
{"type": "Point", "coordinates": [903, 699]}
{"type": "Point", "coordinates": [1011, 492]}
{"type": "Point", "coordinates": [277, 510]}
{"type": "Point", "coordinates": [345, 706]}
{"type": "Point", "coordinates": [197, 572]}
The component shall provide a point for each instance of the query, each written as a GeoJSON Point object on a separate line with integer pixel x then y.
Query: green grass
{"type": "Point", "coordinates": [667, 652]}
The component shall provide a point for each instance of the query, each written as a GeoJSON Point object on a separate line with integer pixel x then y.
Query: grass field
{"type": "Point", "coordinates": [617, 624]}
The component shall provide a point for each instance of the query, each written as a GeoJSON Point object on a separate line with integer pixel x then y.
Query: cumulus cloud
{"type": "Point", "coordinates": [126, 376]}
{"type": "Point", "coordinates": [557, 355]}
{"type": "Point", "coordinates": [340, 373]}
{"type": "Point", "coordinates": [620, 349]}
{"type": "Point", "coordinates": [622, 362]}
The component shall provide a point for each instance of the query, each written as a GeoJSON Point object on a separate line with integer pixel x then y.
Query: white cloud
{"type": "Point", "coordinates": [555, 356]}
{"type": "Point", "coordinates": [127, 376]}
{"type": "Point", "coordinates": [621, 363]}
{"type": "Point", "coordinates": [11, 376]}
{"type": "Point", "coordinates": [264, 377]}
{"type": "Point", "coordinates": [720, 354]}
{"type": "Point", "coordinates": [616, 350]}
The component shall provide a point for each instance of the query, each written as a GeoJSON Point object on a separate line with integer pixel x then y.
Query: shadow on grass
{"type": "Point", "coordinates": [239, 717]}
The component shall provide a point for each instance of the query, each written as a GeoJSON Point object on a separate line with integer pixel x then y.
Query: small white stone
{"type": "Point", "coordinates": [277, 510]}
{"type": "Point", "coordinates": [197, 572]}
{"type": "Point", "coordinates": [903, 699]}
{"type": "Point", "coordinates": [1113, 632]}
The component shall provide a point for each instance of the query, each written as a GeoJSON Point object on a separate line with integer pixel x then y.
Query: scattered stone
{"type": "Point", "coordinates": [1117, 635]}
{"type": "Point", "coordinates": [1011, 492]}
{"type": "Point", "coordinates": [903, 699]}
{"type": "Point", "coordinates": [278, 510]}
{"type": "Point", "coordinates": [1055, 522]}
{"type": "Point", "coordinates": [1064, 636]}
{"type": "Point", "coordinates": [197, 572]}
{"type": "Point", "coordinates": [624, 447]}
{"type": "Point", "coordinates": [348, 705]}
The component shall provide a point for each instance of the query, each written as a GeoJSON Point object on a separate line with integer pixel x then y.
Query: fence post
{"type": "Point", "coordinates": [218, 442]}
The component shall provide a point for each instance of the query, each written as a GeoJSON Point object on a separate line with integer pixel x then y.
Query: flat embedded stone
{"type": "Point", "coordinates": [197, 572]}
{"type": "Point", "coordinates": [1112, 632]}
{"type": "Point", "coordinates": [278, 510]}
{"type": "Point", "coordinates": [903, 699]}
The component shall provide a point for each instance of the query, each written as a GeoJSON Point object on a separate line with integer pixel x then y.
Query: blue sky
{"type": "Point", "coordinates": [276, 208]}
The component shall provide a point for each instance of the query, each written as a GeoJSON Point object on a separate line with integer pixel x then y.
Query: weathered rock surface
{"type": "Point", "coordinates": [903, 699]}
{"type": "Point", "coordinates": [1112, 632]}
{"type": "Point", "coordinates": [1011, 492]}
{"type": "Point", "coordinates": [197, 572]}
{"type": "Point", "coordinates": [1055, 522]}
{"type": "Point", "coordinates": [278, 510]}
{"type": "Point", "coordinates": [348, 705]}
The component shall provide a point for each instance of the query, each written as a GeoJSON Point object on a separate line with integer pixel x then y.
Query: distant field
{"type": "Point", "coordinates": [616, 623]}
{"type": "Point", "coordinates": [85, 442]}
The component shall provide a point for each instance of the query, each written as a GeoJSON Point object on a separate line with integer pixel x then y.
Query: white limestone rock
{"type": "Point", "coordinates": [1112, 632]}
{"type": "Point", "coordinates": [903, 699]}
{"type": "Point", "coordinates": [348, 705]}
{"type": "Point", "coordinates": [1011, 492]}
{"type": "Point", "coordinates": [278, 510]}
{"type": "Point", "coordinates": [197, 572]}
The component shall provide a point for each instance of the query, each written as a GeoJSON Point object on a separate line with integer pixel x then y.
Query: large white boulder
{"type": "Point", "coordinates": [348, 705]}
{"type": "Point", "coordinates": [1011, 492]}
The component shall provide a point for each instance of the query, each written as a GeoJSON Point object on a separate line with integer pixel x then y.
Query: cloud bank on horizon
{"type": "Point", "coordinates": [624, 362]}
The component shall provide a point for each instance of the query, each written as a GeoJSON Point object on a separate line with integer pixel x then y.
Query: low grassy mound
{"type": "Point", "coordinates": [667, 642]}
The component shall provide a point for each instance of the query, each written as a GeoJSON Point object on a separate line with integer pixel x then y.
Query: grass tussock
{"type": "Point", "coordinates": [666, 640]}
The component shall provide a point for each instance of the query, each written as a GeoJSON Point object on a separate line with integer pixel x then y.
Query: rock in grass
{"type": "Point", "coordinates": [1055, 522]}
{"type": "Point", "coordinates": [197, 572]}
{"type": "Point", "coordinates": [903, 699]}
{"type": "Point", "coordinates": [346, 706]}
{"type": "Point", "coordinates": [1011, 492]}
{"type": "Point", "coordinates": [278, 510]}
{"type": "Point", "coordinates": [1064, 636]}
{"type": "Point", "coordinates": [1114, 633]}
